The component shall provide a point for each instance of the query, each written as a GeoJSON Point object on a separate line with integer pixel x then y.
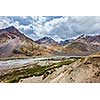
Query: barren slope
{"type": "Point", "coordinates": [83, 46]}
{"type": "Point", "coordinates": [84, 70]}
{"type": "Point", "coordinates": [14, 43]}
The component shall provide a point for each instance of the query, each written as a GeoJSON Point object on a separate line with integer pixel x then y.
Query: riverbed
{"type": "Point", "coordinates": [14, 63]}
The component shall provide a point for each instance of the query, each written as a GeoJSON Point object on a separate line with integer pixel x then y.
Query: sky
{"type": "Point", "coordinates": [56, 27]}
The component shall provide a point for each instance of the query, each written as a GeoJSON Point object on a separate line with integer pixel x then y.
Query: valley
{"type": "Point", "coordinates": [13, 70]}
{"type": "Point", "coordinates": [25, 60]}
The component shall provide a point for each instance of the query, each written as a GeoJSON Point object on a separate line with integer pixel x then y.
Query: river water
{"type": "Point", "coordinates": [27, 61]}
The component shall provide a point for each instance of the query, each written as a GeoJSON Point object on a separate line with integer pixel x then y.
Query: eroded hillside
{"type": "Point", "coordinates": [84, 70]}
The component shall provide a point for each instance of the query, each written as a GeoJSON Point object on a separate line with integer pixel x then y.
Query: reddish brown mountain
{"type": "Point", "coordinates": [51, 45]}
{"type": "Point", "coordinates": [14, 43]}
{"type": "Point", "coordinates": [84, 45]}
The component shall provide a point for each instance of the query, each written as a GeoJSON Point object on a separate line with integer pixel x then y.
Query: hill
{"type": "Point", "coordinates": [83, 45]}
{"type": "Point", "coordinates": [14, 43]}
{"type": "Point", "coordinates": [51, 45]}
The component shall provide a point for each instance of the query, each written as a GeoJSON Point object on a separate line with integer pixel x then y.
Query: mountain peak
{"type": "Point", "coordinates": [46, 40]}
{"type": "Point", "coordinates": [11, 27]}
{"type": "Point", "coordinates": [13, 31]}
{"type": "Point", "coordinates": [81, 36]}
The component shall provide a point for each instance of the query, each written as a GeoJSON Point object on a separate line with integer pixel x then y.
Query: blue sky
{"type": "Point", "coordinates": [57, 27]}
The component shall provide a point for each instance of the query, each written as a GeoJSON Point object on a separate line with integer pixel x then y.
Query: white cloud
{"type": "Point", "coordinates": [68, 27]}
{"type": "Point", "coordinates": [55, 26]}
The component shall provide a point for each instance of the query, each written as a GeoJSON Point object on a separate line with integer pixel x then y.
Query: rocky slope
{"type": "Point", "coordinates": [84, 70]}
{"type": "Point", "coordinates": [47, 40]}
{"type": "Point", "coordinates": [14, 43]}
{"type": "Point", "coordinates": [51, 45]}
{"type": "Point", "coordinates": [83, 45]}
{"type": "Point", "coordinates": [65, 42]}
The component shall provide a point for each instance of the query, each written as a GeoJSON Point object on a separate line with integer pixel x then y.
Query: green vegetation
{"type": "Point", "coordinates": [15, 75]}
{"type": "Point", "coordinates": [64, 63]}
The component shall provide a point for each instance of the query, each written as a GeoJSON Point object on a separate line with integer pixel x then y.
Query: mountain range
{"type": "Point", "coordinates": [47, 40]}
{"type": "Point", "coordinates": [13, 43]}
{"type": "Point", "coordinates": [84, 45]}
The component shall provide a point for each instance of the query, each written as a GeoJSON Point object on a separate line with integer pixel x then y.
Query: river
{"type": "Point", "coordinates": [28, 61]}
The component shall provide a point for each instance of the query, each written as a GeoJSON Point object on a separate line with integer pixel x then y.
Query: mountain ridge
{"type": "Point", "coordinates": [46, 40]}
{"type": "Point", "coordinates": [46, 46]}
{"type": "Point", "coordinates": [83, 45]}
{"type": "Point", "coordinates": [23, 46]}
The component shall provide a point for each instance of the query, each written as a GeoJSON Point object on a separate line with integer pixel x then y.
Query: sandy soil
{"type": "Point", "coordinates": [85, 70]}
{"type": "Point", "coordinates": [31, 80]}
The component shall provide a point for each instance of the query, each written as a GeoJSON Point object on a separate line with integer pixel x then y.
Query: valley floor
{"type": "Point", "coordinates": [51, 70]}
{"type": "Point", "coordinates": [12, 70]}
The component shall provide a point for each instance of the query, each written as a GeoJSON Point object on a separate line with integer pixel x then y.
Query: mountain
{"type": "Point", "coordinates": [83, 45]}
{"type": "Point", "coordinates": [11, 31]}
{"type": "Point", "coordinates": [65, 42]}
{"type": "Point", "coordinates": [95, 38]}
{"type": "Point", "coordinates": [51, 45]}
{"type": "Point", "coordinates": [47, 40]}
{"type": "Point", "coordinates": [14, 43]}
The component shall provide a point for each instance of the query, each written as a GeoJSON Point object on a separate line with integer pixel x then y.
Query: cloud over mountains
{"type": "Point", "coordinates": [57, 27]}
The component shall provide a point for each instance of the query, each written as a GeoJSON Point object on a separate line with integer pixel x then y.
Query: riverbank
{"type": "Point", "coordinates": [15, 74]}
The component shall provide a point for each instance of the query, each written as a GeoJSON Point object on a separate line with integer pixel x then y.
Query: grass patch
{"type": "Point", "coordinates": [16, 75]}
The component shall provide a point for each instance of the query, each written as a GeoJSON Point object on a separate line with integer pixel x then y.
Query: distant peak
{"type": "Point", "coordinates": [81, 36]}
{"type": "Point", "coordinates": [47, 37]}
{"type": "Point", "coordinates": [46, 40]}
